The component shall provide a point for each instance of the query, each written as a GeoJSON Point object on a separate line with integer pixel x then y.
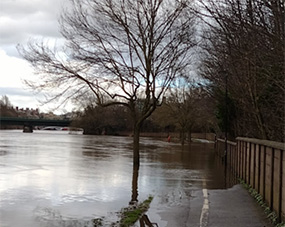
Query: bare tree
{"type": "Point", "coordinates": [6, 107]}
{"type": "Point", "coordinates": [244, 47]}
{"type": "Point", "coordinates": [183, 109]}
{"type": "Point", "coordinates": [125, 52]}
{"type": "Point", "coordinates": [191, 109]}
{"type": "Point", "coordinates": [4, 101]}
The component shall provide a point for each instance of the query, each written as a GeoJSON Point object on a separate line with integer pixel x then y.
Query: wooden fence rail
{"type": "Point", "coordinates": [261, 164]}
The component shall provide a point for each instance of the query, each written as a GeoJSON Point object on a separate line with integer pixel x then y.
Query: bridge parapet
{"type": "Point", "coordinates": [29, 123]}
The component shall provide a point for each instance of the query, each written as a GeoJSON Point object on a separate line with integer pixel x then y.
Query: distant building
{"type": "Point", "coordinates": [30, 113]}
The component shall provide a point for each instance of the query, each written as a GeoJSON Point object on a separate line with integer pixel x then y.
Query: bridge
{"type": "Point", "coordinates": [29, 123]}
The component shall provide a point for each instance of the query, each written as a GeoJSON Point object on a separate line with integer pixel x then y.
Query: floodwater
{"type": "Point", "coordinates": [52, 179]}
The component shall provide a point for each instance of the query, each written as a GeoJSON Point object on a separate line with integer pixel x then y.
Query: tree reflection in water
{"type": "Point", "coordinates": [144, 220]}
{"type": "Point", "coordinates": [135, 194]}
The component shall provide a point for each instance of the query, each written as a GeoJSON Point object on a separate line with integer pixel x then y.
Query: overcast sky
{"type": "Point", "coordinates": [21, 20]}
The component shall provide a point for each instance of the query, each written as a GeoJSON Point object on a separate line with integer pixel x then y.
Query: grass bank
{"type": "Point", "coordinates": [270, 214]}
{"type": "Point", "coordinates": [131, 214]}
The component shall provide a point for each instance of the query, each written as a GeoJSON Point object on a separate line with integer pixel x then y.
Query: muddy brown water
{"type": "Point", "coordinates": [52, 179]}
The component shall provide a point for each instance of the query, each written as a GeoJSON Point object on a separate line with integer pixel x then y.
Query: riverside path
{"type": "Point", "coordinates": [233, 207]}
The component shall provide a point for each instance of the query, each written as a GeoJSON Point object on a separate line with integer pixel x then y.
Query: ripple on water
{"type": "Point", "coordinates": [47, 216]}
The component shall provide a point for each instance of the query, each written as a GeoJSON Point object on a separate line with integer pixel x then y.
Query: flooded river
{"type": "Point", "coordinates": [52, 179]}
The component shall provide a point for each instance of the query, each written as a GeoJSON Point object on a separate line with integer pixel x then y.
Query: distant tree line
{"type": "Point", "coordinates": [184, 110]}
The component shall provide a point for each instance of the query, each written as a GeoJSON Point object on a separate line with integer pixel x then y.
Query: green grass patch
{"type": "Point", "coordinates": [259, 199]}
{"type": "Point", "coordinates": [131, 214]}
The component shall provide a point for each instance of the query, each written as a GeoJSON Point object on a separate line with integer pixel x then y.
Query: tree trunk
{"type": "Point", "coordinates": [182, 137]}
{"type": "Point", "coordinates": [189, 135]}
{"type": "Point", "coordinates": [136, 145]}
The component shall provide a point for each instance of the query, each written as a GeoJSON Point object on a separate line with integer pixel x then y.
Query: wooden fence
{"type": "Point", "coordinates": [261, 164]}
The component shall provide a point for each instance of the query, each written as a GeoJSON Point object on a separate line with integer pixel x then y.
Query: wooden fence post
{"type": "Point", "coordinates": [261, 164]}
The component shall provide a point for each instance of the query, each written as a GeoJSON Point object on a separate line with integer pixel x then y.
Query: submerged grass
{"type": "Point", "coordinates": [131, 215]}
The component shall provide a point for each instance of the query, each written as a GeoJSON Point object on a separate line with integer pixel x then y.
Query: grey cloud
{"type": "Point", "coordinates": [20, 97]}
{"type": "Point", "coordinates": [21, 20]}
{"type": "Point", "coordinates": [11, 91]}
{"type": "Point", "coordinates": [21, 8]}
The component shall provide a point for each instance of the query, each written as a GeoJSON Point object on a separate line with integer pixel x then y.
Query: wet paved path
{"type": "Point", "coordinates": [233, 207]}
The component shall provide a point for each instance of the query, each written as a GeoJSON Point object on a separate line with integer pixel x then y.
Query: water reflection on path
{"type": "Point", "coordinates": [54, 179]}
